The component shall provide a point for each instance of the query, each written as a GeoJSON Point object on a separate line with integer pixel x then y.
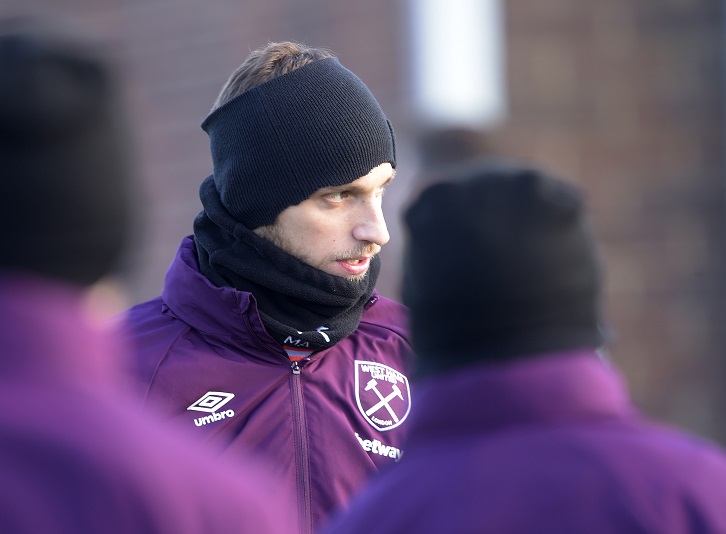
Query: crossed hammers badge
{"type": "Point", "coordinates": [382, 394]}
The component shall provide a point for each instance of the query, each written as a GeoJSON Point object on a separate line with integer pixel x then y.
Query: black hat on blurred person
{"type": "Point", "coordinates": [500, 264]}
{"type": "Point", "coordinates": [65, 171]}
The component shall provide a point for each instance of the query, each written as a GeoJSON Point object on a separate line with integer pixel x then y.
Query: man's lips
{"type": "Point", "coordinates": [355, 265]}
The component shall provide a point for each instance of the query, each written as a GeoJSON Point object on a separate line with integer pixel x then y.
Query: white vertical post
{"type": "Point", "coordinates": [459, 77]}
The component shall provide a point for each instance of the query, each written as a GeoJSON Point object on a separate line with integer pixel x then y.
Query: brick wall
{"type": "Point", "coordinates": [623, 98]}
{"type": "Point", "coordinates": [626, 99]}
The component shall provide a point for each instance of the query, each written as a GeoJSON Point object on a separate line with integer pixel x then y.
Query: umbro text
{"type": "Point", "coordinates": [211, 418]}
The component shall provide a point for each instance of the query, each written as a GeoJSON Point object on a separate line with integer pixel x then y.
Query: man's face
{"type": "Point", "coordinates": [338, 229]}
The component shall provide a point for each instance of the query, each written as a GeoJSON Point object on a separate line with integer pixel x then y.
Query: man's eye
{"type": "Point", "coordinates": [337, 197]}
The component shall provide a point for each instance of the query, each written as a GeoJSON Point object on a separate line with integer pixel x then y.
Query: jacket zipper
{"type": "Point", "coordinates": [299, 427]}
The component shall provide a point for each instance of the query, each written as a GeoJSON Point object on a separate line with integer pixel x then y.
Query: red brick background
{"type": "Point", "coordinates": [624, 98]}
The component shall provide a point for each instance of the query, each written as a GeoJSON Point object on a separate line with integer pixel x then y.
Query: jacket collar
{"type": "Point", "coordinates": [551, 388]}
{"type": "Point", "coordinates": [219, 311]}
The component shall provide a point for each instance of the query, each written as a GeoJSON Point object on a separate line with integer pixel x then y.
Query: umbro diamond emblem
{"type": "Point", "coordinates": [210, 402]}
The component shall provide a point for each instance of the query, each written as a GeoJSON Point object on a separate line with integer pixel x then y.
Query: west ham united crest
{"type": "Point", "coordinates": [382, 394]}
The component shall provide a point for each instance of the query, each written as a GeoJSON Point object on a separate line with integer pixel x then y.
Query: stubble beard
{"type": "Point", "coordinates": [273, 234]}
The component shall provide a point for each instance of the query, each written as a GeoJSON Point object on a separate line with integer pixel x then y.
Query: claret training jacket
{"type": "Point", "coordinates": [324, 426]}
{"type": "Point", "coordinates": [554, 446]}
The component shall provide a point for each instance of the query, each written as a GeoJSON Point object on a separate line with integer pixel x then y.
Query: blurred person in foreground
{"type": "Point", "coordinates": [74, 458]}
{"type": "Point", "coordinates": [520, 424]}
{"type": "Point", "coordinates": [268, 333]}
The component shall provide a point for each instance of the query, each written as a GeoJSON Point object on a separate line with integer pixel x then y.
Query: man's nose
{"type": "Point", "coordinates": [372, 227]}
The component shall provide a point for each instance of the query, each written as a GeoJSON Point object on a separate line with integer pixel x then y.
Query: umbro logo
{"type": "Point", "coordinates": [210, 402]}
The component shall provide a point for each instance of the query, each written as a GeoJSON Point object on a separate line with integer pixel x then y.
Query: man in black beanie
{"type": "Point", "coordinates": [520, 425]}
{"type": "Point", "coordinates": [75, 457]}
{"type": "Point", "coordinates": [269, 334]}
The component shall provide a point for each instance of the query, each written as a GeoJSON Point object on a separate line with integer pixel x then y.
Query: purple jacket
{"type": "Point", "coordinates": [550, 444]}
{"type": "Point", "coordinates": [75, 457]}
{"type": "Point", "coordinates": [204, 359]}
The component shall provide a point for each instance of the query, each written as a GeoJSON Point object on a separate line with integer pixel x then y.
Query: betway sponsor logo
{"type": "Point", "coordinates": [210, 402]}
{"type": "Point", "coordinates": [379, 448]}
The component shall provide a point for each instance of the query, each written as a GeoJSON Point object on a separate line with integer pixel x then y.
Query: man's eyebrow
{"type": "Point", "coordinates": [350, 187]}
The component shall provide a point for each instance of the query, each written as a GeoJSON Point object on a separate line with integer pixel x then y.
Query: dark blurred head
{"type": "Point", "coordinates": [64, 161]}
{"type": "Point", "coordinates": [440, 149]}
{"type": "Point", "coordinates": [500, 264]}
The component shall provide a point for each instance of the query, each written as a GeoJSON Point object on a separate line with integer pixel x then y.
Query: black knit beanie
{"type": "Point", "coordinates": [500, 263]}
{"type": "Point", "coordinates": [276, 144]}
{"type": "Point", "coordinates": [64, 187]}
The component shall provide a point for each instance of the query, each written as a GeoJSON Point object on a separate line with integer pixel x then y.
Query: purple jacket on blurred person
{"type": "Point", "coordinates": [503, 448]}
{"type": "Point", "coordinates": [76, 456]}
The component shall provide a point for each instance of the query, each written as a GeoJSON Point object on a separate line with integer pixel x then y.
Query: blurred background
{"type": "Point", "coordinates": [625, 99]}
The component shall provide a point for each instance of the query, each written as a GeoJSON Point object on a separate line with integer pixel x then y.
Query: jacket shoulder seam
{"type": "Point", "coordinates": [162, 359]}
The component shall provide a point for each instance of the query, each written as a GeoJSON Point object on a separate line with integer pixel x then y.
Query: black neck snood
{"type": "Point", "coordinates": [295, 301]}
